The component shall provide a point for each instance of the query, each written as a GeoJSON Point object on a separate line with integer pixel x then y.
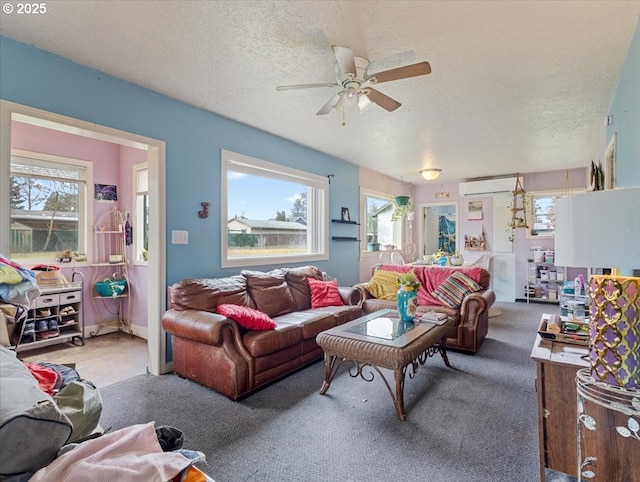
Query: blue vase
{"type": "Point", "coordinates": [407, 301]}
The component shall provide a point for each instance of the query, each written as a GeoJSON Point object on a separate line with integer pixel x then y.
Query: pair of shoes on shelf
{"type": "Point", "coordinates": [29, 331]}
{"type": "Point", "coordinates": [45, 329]}
{"type": "Point", "coordinates": [67, 310]}
{"type": "Point", "coordinates": [44, 312]}
{"type": "Point", "coordinates": [29, 328]}
{"type": "Point", "coordinates": [68, 320]}
{"type": "Point", "coordinates": [46, 325]}
{"type": "Point", "coordinates": [45, 335]}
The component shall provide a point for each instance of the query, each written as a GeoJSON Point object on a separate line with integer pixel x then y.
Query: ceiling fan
{"type": "Point", "coordinates": [355, 82]}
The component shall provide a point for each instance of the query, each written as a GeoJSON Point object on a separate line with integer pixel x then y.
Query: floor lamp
{"type": "Point", "coordinates": [602, 229]}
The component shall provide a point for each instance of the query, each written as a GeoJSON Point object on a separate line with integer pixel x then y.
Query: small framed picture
{"type": "Point", "coordinates": [105, 192]}
{"type": "Point", "coordinates": [345, 215]}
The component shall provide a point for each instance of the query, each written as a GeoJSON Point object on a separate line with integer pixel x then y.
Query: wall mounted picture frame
{"type": "Point", "coordinates": [475, 211]}
{"type": "Point", "coordinates": [345, 215]}
{"type": "Point", "coordinates": [105, 192]}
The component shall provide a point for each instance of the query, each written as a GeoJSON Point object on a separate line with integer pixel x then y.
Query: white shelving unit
{"type": "Point", "coordinates": [55, 317]}
{"type": "Point", "coordinates": [110, 263]}
{"type": "Point", "coordinates": [544, 281]}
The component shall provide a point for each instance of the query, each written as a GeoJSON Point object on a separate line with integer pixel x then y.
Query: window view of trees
{"type": "Point", "coordinates": [45, 199]}
{"type": "Point", "coordinates": [543, 214]}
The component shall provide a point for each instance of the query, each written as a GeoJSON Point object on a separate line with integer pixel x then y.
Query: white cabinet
{"type": "Point", "coordinates": [544, 281]}
{"type": "Point", "coordinates": [56, 316]}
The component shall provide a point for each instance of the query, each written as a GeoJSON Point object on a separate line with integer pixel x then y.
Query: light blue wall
{"type": "Point", "coordinates": [625, 110]}
{"type": "Point", "coordinates": [193, 138]}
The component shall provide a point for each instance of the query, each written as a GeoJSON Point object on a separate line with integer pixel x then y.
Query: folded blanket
{"type": "Point", "coordinates": [430, 278]}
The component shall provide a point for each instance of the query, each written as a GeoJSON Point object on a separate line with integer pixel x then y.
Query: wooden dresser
{"type": "Point", "coordinates": [556, 367]}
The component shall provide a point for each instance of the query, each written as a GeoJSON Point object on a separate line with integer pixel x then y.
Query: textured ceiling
{"type": "Point", "coordinates": [516, 86]}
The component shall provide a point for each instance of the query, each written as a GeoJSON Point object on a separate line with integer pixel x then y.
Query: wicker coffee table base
{"type": "Point", "coordinates": [373, 360]}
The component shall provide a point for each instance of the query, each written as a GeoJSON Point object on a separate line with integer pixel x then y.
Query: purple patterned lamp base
{"type": "Point", "coordinates": [615, 330]}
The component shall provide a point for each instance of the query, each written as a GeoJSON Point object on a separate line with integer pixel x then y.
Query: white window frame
{"type": "Point", "coordinates": [137, 216]}
{"type": "Point", "coordinates": [555, 193]}
{"type": "Point", "coordinates": [317, 209]}
{"type": "Point", "coordinates": [85, 206]}
{"type": "Point", "coordinates": [398, 229]}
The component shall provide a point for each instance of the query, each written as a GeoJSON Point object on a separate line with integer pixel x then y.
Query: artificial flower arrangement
{"type": "Point", "coordinates": [409, 280]}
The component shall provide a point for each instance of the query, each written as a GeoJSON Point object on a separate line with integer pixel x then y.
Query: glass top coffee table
{"type": "Point", "coordinates": [381, 340]}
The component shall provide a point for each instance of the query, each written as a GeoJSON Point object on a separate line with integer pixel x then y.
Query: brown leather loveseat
{"type": "Point", "coordinates": [217, 352]}
{"type": "Point", "coordinates": [471, 317]}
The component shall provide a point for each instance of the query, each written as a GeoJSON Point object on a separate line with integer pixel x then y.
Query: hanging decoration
{"type": "Point", "coordinates": [403, 208]}
{"type": "Point", "coordinates": [128, 231]}
{"type": "Point", "coordinates": [442, 194]}
{"type": "Point", "coordinates": [518, 206]}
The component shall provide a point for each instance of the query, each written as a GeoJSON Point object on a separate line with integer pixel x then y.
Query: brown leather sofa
{"type": "Point", "coordinates": [471, 319]}
{"type": "Point", "coordinates": [217, 352]}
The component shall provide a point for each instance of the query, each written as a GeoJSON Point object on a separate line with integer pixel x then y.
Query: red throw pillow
{"type": "Point", "coordinates": [246, 317]}
{"type": "Point", "coordinates": [324, 293]}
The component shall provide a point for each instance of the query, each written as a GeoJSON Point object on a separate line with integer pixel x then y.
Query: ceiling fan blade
{"type": "Point", "coordinates": [306, 86]}
{"type": "Point", "coordinates": [422, 68]}
{"type": "Point", "coordinates": [382, 100]}
{"type": "Point", "coordinates": [329, 105]}
{"type": "Point", "coordinates": [344, 56]}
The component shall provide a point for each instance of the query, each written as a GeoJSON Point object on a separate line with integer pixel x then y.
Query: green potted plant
{"type": "Point", "coordinates": [403, 208]}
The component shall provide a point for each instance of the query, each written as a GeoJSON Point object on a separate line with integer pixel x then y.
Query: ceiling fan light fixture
{"type": "Point", "coordinates": [350, 97]}
{"type": "Point", "coordinates": [364, 103]}
{"type": "Point", "coordinates": [431, 174]}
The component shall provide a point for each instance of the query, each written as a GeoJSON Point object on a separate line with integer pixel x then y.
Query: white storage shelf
{"type": "Point", "coordinates": [110, 263]}
{"type": "Point", "coordinates": [544, 281]}
{"type": "Point", "coordinates": [54, 317]}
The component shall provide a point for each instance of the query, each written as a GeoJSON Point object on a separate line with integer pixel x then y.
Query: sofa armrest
{"type": "Point", "coordinates": [350, 295]}
{"type": "Point", "coordinates": [364, 292]}
{"type": "Point", "coordinates": [201, 326]}
{"type": "Point", "coordinates": [474, 305]}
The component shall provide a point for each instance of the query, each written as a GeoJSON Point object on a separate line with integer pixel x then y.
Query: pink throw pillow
{"type": "Point", "coordinates": [246, 317]}
{"type": "Point", "coordinates": [324, 293]}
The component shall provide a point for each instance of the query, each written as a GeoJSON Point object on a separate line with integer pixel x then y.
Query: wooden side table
{"type": "Point", "coordinates": [556, 367]}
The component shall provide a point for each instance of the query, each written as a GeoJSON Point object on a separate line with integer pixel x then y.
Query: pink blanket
{"type": "Point", "coordinates": [132, 453]}
{"type": "Point", "coordinates": [430, 277]}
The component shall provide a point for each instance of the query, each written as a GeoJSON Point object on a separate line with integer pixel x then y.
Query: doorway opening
{"type": "Point", "coordinates": [12, 113]}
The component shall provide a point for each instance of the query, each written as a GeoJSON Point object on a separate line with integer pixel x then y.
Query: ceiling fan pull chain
{"type": "Point", "coordinates": [344, 122]}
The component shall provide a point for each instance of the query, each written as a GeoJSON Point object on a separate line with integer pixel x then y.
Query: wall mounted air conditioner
{"type": "Point", "coordinates": [486, 187]}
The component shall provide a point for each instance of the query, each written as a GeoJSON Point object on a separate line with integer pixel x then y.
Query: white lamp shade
{"type": "Point", "coordinates": [599, 229]}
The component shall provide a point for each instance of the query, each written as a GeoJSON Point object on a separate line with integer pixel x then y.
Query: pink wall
{"type": "Point", "coordinates": [111, 165]}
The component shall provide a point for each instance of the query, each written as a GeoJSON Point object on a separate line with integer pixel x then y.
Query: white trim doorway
{"type": "Point", "coordinates": [156, 157]}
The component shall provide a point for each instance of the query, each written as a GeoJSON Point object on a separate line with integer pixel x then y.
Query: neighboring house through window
{"type": "Point", "coordinates": [271, 213]}
{"type": "Point", "coordinates": [379, 231]}
{"type": "Point", "coordinates": [49, 206]}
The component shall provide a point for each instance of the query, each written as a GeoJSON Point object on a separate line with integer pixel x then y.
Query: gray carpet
{"type": "Point", "coordinates": [475, 422]}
